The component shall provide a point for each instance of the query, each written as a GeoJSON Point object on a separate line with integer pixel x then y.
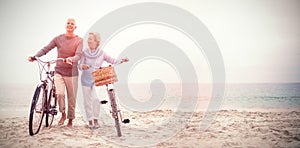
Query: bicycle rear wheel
{"type": "Point", "coordinates": [51, 108]}
{"type": "Point", "coordinates": [115, 111]}
{"type": "Point", "coordinates": [37, 110]}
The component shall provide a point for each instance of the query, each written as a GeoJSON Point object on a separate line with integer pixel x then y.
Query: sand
{"type": "Point", "coordinates": [164, 128]}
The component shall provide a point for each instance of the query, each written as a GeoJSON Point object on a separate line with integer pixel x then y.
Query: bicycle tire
{"type": "Point", "coordinates": [115, 111]}
{"type": "Point", "coordinates": [50, 104]}
{"type": "Point", "coordinates": [37, 109]}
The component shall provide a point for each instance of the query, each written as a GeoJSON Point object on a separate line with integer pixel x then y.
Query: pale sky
{"type": "Point", "coordinates": [258, 39]}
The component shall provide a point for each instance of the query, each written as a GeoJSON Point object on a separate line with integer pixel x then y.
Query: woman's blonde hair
{"type": "Point", "coordinates": [96, 36]}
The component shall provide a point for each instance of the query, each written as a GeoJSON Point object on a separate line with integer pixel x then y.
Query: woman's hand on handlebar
{"type": "Point", "coordinates": [85, 67]}
{"type": "Point", "coordinates": [124, 60]}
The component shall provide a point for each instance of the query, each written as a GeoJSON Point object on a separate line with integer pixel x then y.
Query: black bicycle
{"type": "Point", "coordinates": [44, 101]}
{"type": "Point", "coordinates": [106, 76]}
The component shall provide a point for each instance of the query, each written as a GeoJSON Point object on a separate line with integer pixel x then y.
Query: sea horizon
{"type": "Point", "coordinates": [15, 99]}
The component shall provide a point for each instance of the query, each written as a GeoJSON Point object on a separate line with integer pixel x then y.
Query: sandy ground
{"type": "Point", "coordinates": [164, 128]}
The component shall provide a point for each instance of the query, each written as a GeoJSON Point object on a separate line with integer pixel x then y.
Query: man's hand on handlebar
{"type": "Point", "coordinates": [31, 59]}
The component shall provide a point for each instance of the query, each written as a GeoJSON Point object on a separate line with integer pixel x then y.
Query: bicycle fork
{"type": "Point", "coordinates": [115, 111]}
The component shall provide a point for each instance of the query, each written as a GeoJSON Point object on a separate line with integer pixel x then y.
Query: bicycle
{"type": "Point", "coordinates": [44, 101]}
{"type": "Point", "coordinates": [106, 76]}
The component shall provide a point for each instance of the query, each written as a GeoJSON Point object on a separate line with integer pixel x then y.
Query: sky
{"type": "Point", "coordinates": [258, 39]}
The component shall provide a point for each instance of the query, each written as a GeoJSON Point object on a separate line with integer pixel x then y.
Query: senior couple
{"type": "Point", "coordinates": [70, 47]}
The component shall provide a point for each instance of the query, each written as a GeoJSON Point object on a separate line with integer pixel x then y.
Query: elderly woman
{"type": "Point", "coordinates": [91, 60]}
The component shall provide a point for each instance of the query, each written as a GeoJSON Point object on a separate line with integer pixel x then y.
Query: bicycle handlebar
{"type": "Point", "coordinates": [50, 62]}
{"type": "Point", "coordinates": [111, 65]}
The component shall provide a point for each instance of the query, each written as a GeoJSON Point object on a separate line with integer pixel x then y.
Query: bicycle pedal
{"type": "Point", "coordinates": [103, 102]}
{"type": "Point", "coordinates": [53, 112]}
{"type": "Point", "coordinates": [126, 121]}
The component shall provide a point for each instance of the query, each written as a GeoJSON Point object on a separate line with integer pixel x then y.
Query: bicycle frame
{"type": "Point", "coordinates": [48, 82]}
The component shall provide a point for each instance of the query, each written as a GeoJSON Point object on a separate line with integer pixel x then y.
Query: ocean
{"type": "Point", "coordinates": [263, 96]}
{"type": "Point", "coordinates": [15, 99]}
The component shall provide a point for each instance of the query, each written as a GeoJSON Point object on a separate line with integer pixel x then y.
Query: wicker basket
{"type": "Point", "coordinates": [105, 75]}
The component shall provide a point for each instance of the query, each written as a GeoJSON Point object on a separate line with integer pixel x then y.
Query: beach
{"type": "Point", "coordinates": [250, 115]}
{"type": "Point", "coordinates": [229, 128]}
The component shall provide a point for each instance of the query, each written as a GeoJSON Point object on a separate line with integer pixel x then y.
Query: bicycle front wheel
{"type": "Point", "coordinates": [37, 110]}
{"type": "Point", "coordinates": [115, 111]}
